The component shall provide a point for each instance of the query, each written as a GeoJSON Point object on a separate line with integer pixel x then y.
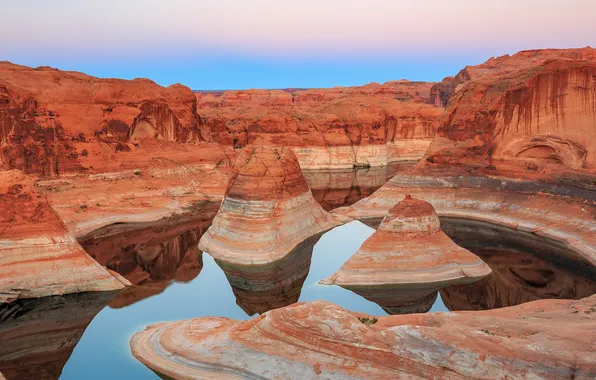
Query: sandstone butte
{"type": "Point", "coordinates": [38, 256]}
{"type": "Point", "coordinates": [321, 340]}
{"type": "Point", "coordinates": [407, 260]}
{"type": "Point", "coordinates": [532, 114]}
{"type": "Point", "coordinates": [267, 211]}
{"type": "Point", "coordinates": [340, 127]}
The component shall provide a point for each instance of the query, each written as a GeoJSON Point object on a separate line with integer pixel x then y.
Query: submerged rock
{"type": "Point", "coordinates": [407, 260]}
{"type": "Point", "coordinates": [267, 211]}
{"type": "Point", "coordinates": [322, 340]}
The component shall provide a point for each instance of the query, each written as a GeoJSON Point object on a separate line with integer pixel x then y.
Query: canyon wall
{"type": "Point", "coordinates": [50, 120]}
{"type": "Point", "coordinates": [339, 127]}
{"type": "Point", "coordinates": [535, 116]}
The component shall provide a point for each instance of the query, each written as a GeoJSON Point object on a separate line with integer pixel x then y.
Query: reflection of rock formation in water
{"type": "Point", "coordinates": [337, 188]}
{"type": "Point", "coordinates": [267, 211]}
{"type": "Point", "coordinates": [260, 288]}
{"type": "Point", "coordinates": [319, 340]}
{"type": "Point", "coordinates": [39, 335]}
{"type": "Point", "coordinates": [517, 278]}
{"type": "Point", "coordinates": [403, 264]}
{"type": "Point", "coordinates": [154, 256]}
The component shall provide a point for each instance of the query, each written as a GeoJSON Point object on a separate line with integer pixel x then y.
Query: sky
{"type": "Point", "coordinates": [237, 44]}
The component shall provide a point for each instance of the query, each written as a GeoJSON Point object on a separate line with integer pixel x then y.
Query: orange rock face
{"type": "Point", "coordinates": [38, 256]}
{"type": "Point", "coordinates": [403, 264]}
{"type": "Point", "coordinates": [327, 128]}
{"type": "Point", "coordinates": [49, 118]}
{"type": "Point", "coordinates": [535, 110]}
{"type": "Point", "coordinates": [320, 339]}
{"type": "Point", "coordinates": [267, 210]}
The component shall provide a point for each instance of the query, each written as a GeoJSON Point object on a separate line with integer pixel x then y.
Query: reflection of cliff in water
{"type": "Point", "coordinates": [338, 188]}
{"type": "Point", "coordinates": [525, 268]}
{"type": "Point", "coordinates": [38, 335]}
{"type": "Point", "coordinates": [152, 257]}
{"type": "Point", "coordinates": [260, 288]}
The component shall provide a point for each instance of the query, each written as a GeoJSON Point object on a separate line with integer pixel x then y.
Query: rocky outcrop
{"type": "Point", "coordinates": [322, 340]}
{"type": "Point", "coordinates": [267, 210]}
{"type": "Point", "coordinates": [407, 260]}
{"type": "Point", "coordinates": [39, 335]}
{"type": "Point", "coordinates": [48, 117]}
{"type": "Point", "coordinates": [441, 92]}
{"type": "Point", "coordinates": [536, 116]}
{"type": "Point", "coordinates": [38, 256]}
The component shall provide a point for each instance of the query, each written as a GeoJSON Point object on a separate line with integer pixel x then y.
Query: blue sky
{"type": "Point", "coordinates": [234, 44]}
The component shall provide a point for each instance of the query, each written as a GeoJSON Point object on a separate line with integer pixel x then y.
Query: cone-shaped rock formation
{"type": "Point", "coordinates": [267, 211]}
{"type": "Point", "coordinates": [403, 264]}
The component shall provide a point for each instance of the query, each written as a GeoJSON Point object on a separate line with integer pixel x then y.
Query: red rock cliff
{"type": "Point", "coordinates": [45, 115]}
{"type": "Point", "coordinates": [535, 116]}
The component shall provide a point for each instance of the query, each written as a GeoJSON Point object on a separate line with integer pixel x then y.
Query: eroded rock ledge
{"type": "Point", "coordinates": [322, 340]}
{"type": "Point", "coordinates": [38, 256]}
{"type": "Point", "coordinates": [564, 222]}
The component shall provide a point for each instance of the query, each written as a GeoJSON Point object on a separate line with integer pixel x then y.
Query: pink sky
{"type": "Point", "coordinates": [149, 31]}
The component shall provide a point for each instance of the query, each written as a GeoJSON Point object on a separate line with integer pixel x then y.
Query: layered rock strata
{"type": "Point", "coordinates": [38, 256]}
{"type": "Point", "coordinates": [322, 340]}
{"type": "Point", "coordinates": [52, 121]}
{"type": "Point", "coordinates": [536, 114]}
{"type": "Point", "coordinates": [267, 210]}
{"type": "Point", "coordinates": [403, 264]}
{"type": "Point", "coordinates": [566, 223]}
{"type": "Point", "coordinates": [348, 129]}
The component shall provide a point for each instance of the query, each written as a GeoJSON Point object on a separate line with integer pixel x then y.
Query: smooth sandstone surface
{"type": "Point", "coordinates": [38, 256]}
{"type": "Point", "coordinates": [267, 211]}
{"type": "Point", "coordinates": [403, 264]}
{"type": "Point", "coordinates": [322, 340]}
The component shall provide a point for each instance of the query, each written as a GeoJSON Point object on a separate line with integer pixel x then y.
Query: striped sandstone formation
{"type": "Point", "coordinates": [407, 260]}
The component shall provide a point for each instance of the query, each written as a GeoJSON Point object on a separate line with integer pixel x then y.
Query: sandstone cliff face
{"type": "Point", "coordinates": [328, 128]}
{"type": "Point", "coordinates": [38, 257]}
{"type": "Point", "coordinates": [267, 210]}
{"type": "Point", "coordinates": [47, 116]}
{"type": "Point", "coordinates": [442, 91]}
{"type": "Point", "coordinates": [403, 264]}
{"type": "Point", "coordinates": [536, 118]}
{"type": "Point", "coordinates": [322, 340]}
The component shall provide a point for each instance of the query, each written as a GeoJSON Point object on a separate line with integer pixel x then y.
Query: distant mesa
{"type": "Point", "coordinates": [407, 260]}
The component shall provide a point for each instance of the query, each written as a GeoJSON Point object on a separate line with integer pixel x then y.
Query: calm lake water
{"type": "Point", "coordinates": [176, 281]}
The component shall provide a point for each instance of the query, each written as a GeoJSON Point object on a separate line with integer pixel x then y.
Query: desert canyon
{"type": "Point", "coordinates": [474, 197]}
